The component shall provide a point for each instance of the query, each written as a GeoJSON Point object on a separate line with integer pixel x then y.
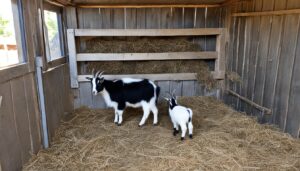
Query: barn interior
{"type": "Point", "coordinates": [233, 62]}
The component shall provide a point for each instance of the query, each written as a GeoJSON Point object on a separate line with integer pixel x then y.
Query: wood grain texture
{"type": "Point", "coordinates": [21, 117]}
{"type": "Point", "coordinates": [33, 112]}
{"type": "Point", "coordinates": [145, 56]}
{"type": "Point", "coordinates": [10, 146]}
{"type": "Point", "coordinates": [155, 77]}
{"type": "Point", "coordinates": [285, 69]}
{"type": "Point", "coordinates": [147, 32]}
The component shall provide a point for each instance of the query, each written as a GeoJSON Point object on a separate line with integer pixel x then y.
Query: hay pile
{"type": "Point", "coordinates": [140, 45]}
{"type": "Point", "coordinates": [223, 140]}
{"type": "Point", "coordinates": [204, 75]}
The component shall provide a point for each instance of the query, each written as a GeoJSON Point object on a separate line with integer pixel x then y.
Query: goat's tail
{"type": "Point", "coordinates": [157, 94]}
{"type": "Point", "coordinates": [190, 114]}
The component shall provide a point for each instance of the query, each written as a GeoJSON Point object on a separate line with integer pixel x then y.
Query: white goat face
{"type": "Point", "coordinates": [97, 83]}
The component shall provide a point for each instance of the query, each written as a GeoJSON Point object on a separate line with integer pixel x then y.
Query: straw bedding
{"type": "Point", "coordinates": [223, 140]}
{"type": "Point", "coordinates": [140, 45]}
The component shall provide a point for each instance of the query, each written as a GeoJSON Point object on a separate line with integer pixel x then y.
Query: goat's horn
{"type": "Point", "coordinates": [169, 93]}
{"type": "Point", "coordinates": [173, 92]}
{"type": "Point", "coordinates": [93, 72]}
{"type": "Point", "coordinates": [99, 73]}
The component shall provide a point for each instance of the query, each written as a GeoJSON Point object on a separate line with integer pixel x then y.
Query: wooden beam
{"type": "Point", "coordinates": [155, 77]}
{"type": "Point", "coordinates": [257, 106]}
{"type": "Point", "coordinates": [145, 56]}
{"type": "Point", "coordinates": [148, 32]}
{"type": "Point", "coordinates": [72, 58]}
{"type": "Point", "coordinates": [149, 6]}
{"type": "Point", "coordinates": [280, 12]}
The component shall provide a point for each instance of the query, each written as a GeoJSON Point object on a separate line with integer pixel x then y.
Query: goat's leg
{"type": "Point", "coordinates": [155, 114]}
{"type": "Point", "coordinates": [116, 117]}
{"type": "Point", "coordinates": [145, 115]}
{"type": "Point", "coordinates": [190, 126]}
{"type": "Point", "coordinates": [176, 131]}
{"type": "Point", "coordinates": [120, 115]}
{"type": "Point", "coordinates": [183, 130]}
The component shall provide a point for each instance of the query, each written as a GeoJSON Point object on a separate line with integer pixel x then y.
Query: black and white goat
{"type": "Point", "coordinates": [180, 116]}
{"type": "Point", "coordinates": [127, 92]}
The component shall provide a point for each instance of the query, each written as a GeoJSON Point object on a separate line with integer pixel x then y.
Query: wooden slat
{"type": "Point", "coordinates": [148, 32]}
{"type": "Point", "coordinates": [86, 94]}
{"type": "Point", "coordinates": [164, 87]}
{"type": "Point", "coordinates": [264, 13]}
{"type": "Point", "coordinates": [285, 69]}
{"type": "Point", "coordinates": [177, 86]}
{"type": "Point", "coordinates": [145, 56]}
{"type": "Point", "coordinates": [263, 109]}
{"type": "Point", "coordinates": [72, 58]}
{"type": "Point", "coordinates": [156, 77]}
{"type": "Point", "coordinates": [10, 146]}
{"type": "Point", "coordinates": [21, 117]}
{"type": "Point", "coordinates": [13, 72]}
{"type": "Point", "coordinates": [188, 88]}
{"type": "Point", "coordinates": [150, 6]}
{"type": "Point", "coordinates": [33, 112]}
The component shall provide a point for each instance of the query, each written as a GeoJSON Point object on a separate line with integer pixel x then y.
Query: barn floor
{"type": "Point", "coordinates": [223, 140]}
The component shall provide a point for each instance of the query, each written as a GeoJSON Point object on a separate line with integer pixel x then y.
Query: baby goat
{"type": "Point", "coordinates": [181, 116]}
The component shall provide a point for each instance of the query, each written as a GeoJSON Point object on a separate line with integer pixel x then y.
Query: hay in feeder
{"type": "Point", "coordinates": [204, 75]}
{"type": "Point", "coordinates": [140, 45]}
{"type": "Point", "coordinates": [223, 140]}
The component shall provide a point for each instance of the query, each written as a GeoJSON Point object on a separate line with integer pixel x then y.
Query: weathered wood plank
{"type": "Point", "coordinates": [118, 19]}
{"type": "Point", "coordinates": [72, 58]}
{"type": "Point", "coordinates": [156, 77]}
{"type": "Point", "coordinates": [265, 13]}
{"type": "Point", "coordinates": [147, 56]}
{"type": "Point", "coordinates": [33, 112]}
{"type": "Point", "coordinates": [177, 86]}
{"type": "Point", "coordinates": [131, 18]}
{"type": "Point", "coordinates": [21, 117]}
{"type": "Point", "coordinates": [147, 32]}
{"type": "Point", "coordinates": [189, 17]}
{"type": "Point", "coordinates": [71, 17]}
{"type": "Point", "coordinates": [293, 117]}
{"type": "Point", "coordinates": [141, 18]}
{"type": "Point", "coordinates": [85, 91]}
{"type": "Point", "coordinates": [153, 18]}
{"type": "Point", "coordinates": [164, 87]}
{"type": "Point", "coordinates": [10, 146]}
{"type": "Point", "coordinates": [188, 88]}
{"type": "Point", "coordinates": [98, 102]}
{"type": "Point", "coordinates": [285, 70]}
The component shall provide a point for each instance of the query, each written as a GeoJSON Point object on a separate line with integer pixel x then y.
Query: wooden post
{"type": "Point", "coordinates": [220, 61]}
{"type": "Point", "coordinates": [72, 58]}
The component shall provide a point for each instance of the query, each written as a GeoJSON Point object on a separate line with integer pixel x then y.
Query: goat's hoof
{"type": "Point", "coordinates": [182, 138]}
{"type": "Point", "coordinates": [140, 126]}
{"type": "Point", "coordinates": [191, 136]}
{"type": "Point", "coordinates": [174, 133]}
{"type": "Point", "coordinates": [119, 124]}
{"type": "Point", "coordinates": [155, 124]}
{"type": "Point", "coordinates": [116, 123]}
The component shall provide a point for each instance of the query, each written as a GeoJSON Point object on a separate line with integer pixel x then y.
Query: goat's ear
{"type": "Point", "coordinates": [89, 78]}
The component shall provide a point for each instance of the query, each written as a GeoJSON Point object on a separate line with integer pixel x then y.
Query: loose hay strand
{"type": "Point", "coordinates": [223, 140]}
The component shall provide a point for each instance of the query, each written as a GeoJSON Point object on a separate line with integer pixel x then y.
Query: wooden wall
{"type": "Point", "coordinates": [19, 122]}
{"type": "Point", "coordinates": [57, 93]}
{"type": "Point", "coordinates": [154, 18]}
{"type": "Point", "coordinates": [265, 52]}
